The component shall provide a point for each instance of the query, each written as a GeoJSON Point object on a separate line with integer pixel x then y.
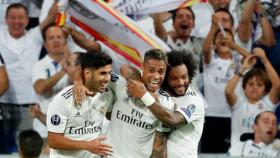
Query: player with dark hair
{"type": "Point", "coordinates": [74, 129]}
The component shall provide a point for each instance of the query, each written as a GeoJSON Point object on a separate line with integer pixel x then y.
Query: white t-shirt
{"type": "Point", "coordinates": [77, 123]}
{"type": "Point", "coordinates": [20, 55]}
{"type": "Point", "coordinates": [243, 116]}
{"type": "Point", "coordinates": [183, 141]}
{"type": "Point", "coordinates": [44, 69]}
{"type": "Point", "coordinates": [132, 128]}
{"type": "Point", "coordinates": [216, 75]}
{"type": "Point", "coordinates": [253, 149]}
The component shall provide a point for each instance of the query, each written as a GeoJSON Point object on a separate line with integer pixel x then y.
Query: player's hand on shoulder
{"type": "Point", "coordinates": [136, 88]}
{"type": "Point", "coordinates": [98, 147]}
{"type": "Point", "coordinates": [80, 92]}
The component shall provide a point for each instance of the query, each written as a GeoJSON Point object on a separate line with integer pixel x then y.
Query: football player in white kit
{"type": "Point", "coordinates": [133, 127]}
{"type": "Point", "coordinates": [74, 130]}
{"type": "Point", "coordinates": [188, 117]}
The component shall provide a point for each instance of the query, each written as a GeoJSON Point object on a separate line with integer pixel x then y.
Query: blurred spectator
{"type": "Point", "coordinates": [264, 143]}
{"type": "Point", "coordinates": [180, 37]}
{"type": "Point", "coordinates": [33, 6]}
{"type": "Point", "coordinates": [3, 7]}
{"type": "Point", "coordinates": [30, 144]}
{"type": "Point", "coordinates": [261, 89]}
{"type": "Point", "coordinates": [273, 9]}
{"type": "Point", "coordinates": [73, 47]}
{"type": "Point", "coordinates": [254, 26]}
{"type": "Point", "coordinates": [20, 50]}
{"type": "Point", "coordinates": [50, 74]}
{"type": "Point", "coordinates": [219, 67]}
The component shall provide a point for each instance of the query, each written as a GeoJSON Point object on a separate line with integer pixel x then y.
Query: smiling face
{"type": "Point", "coordinates": [183, 22]}
{"type": "Point", "coordinates": [266, 127]}
{"type": "Point", "coordinates": [153, 73]}
{"type": "Point", "coordinates": [17, 20]}
{"type": "Point", "coordinates": [97, 80]}
{"type": "Point", "coordinates": [178, 80]}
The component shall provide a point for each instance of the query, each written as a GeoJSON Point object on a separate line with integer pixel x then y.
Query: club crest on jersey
{"type": "Point", "coordinates": [189, 110]}
{"type": "Point", "coordinates": [103, 110]}
{"type": "Point", "coordinates": [114, 77]}
{"type": "Point", "coordinates": [55, 120]}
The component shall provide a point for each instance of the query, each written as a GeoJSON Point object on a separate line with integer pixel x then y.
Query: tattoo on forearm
{"type": "Point", "coordinates": [159, 148]}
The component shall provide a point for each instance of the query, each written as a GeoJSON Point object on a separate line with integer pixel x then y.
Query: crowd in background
{"type": "Point", "coordinates": [235, 45]}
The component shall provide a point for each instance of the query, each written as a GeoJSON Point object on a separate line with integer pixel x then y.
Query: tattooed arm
{"type": "Point", "coordinates": [168, 117]}
{"type": "Point", "coordinates": [160, 145]}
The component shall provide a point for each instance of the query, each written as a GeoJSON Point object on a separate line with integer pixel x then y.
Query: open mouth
{"type": "Point", "coordinates": [184, 27]}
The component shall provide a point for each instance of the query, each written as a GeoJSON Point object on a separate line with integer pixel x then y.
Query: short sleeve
{"type": "Point", "coordinates": [57, 115]}
{"type": "Point", "coordinates": [192, 111]}
{"type": "Point", "coordinates": [39, 73]}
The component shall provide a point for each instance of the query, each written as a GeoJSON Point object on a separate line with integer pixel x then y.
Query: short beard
{"type": "Point", "coordinates": [174, 94]}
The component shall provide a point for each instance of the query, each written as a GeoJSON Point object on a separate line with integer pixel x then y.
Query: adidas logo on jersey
{"type": "Point", "coordinates": [78, 114]}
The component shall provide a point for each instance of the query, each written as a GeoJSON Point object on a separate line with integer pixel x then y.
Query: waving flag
{"type": "Point", "coordinates": [130, 7]}
{"type": "Point", "coordinates": [114, 29]}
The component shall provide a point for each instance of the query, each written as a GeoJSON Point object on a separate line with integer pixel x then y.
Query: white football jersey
{"type": "Point", "coordinates": [132, 128]}
{"type": "Point", "coordinates": [77, 122]}
{"type": "Point", "coordinates": [216, 75]}
{"type": "Point", "coordinates": [252, 149]}
{"type": "Point", "coordinates": [183, 141]}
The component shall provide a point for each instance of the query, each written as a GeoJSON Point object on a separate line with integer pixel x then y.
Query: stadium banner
{"type": "Point", "coordinates": [114, 29]}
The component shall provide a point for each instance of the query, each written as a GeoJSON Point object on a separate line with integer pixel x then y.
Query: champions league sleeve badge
{"type": "Point", "coordinates": [189, 110]}
{"type": "Point", "coordinates": [55, 120]}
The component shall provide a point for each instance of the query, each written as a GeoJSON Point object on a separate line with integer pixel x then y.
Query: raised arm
{"type": "Point", "coordinates": [209, 40]}
{"type": "Point", "coordinates": [158, 24]}
{"type": "Point", "coordinates": [245, 26]}
{"type": "Point", "coordinates": [234, 46]}
{"type": "Point", "coordinates": [82, 41]}
{"type": "Point", "coordinates": [129, 72]}
{"type": "Point", "coordinates": [272, 74]}
{"type": "Point", "coordinates": [231, 85]}
{"type": "Point", "coordinates": [53, 12]}
{"type": "Point", "coordinates": [267, 38]}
